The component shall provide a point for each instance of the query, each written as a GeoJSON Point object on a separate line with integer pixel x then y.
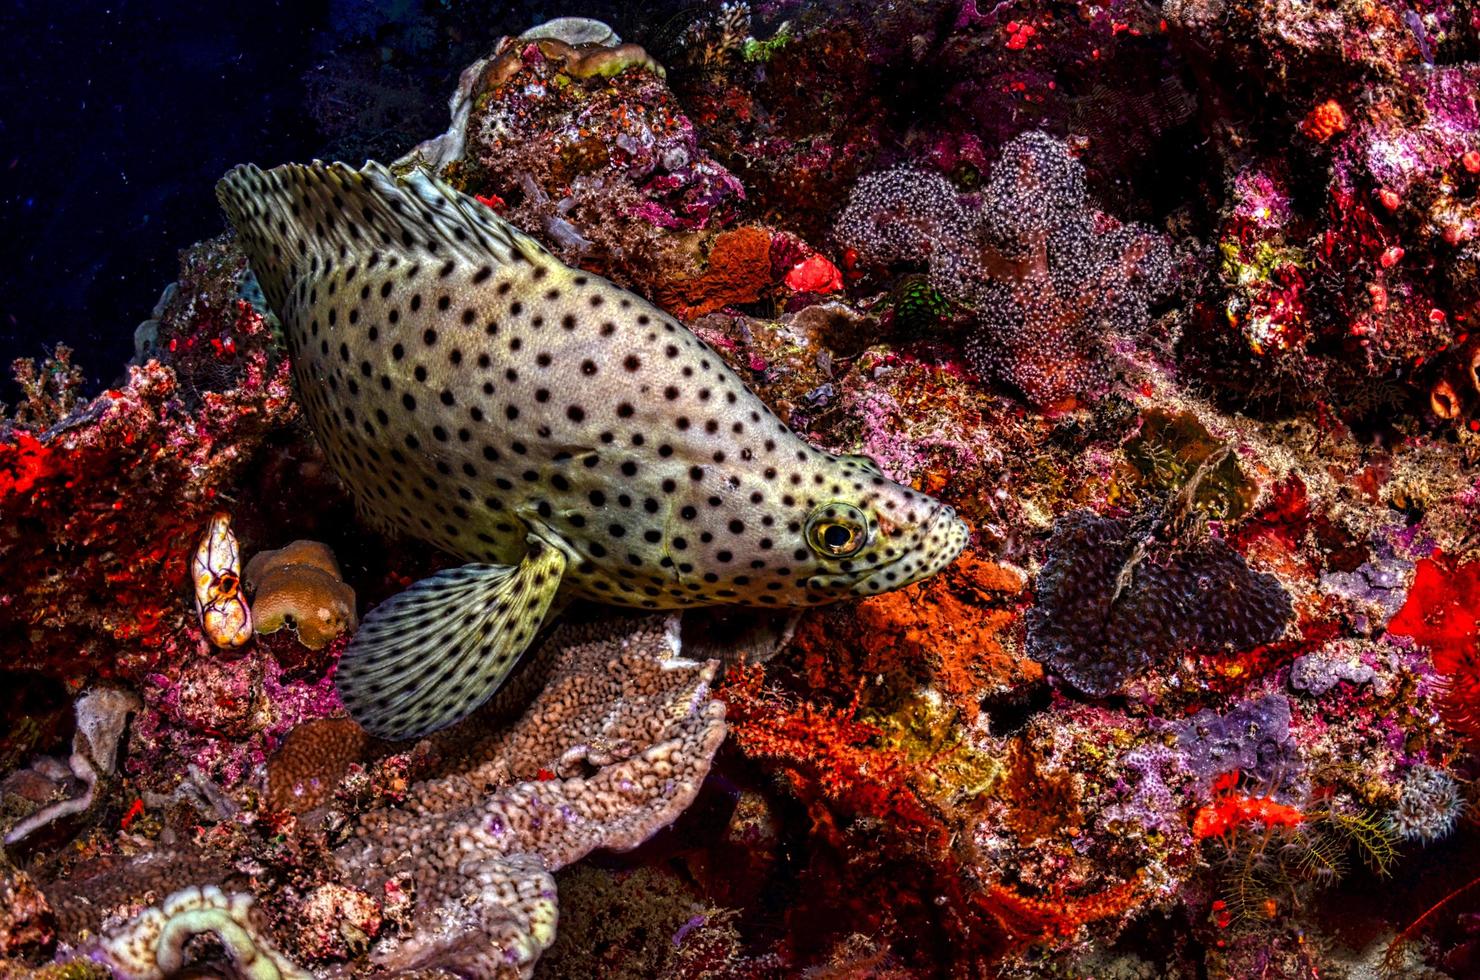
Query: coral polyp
{"type": "Point", "coordinates": [1116, 598]}
{"type": "Point", "coordinates": [1429, 804]}
{"type": "Point", "coordinates": [1053, 283]}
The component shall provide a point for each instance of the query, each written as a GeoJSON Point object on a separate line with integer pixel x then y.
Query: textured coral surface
{"type": "Point", "coordinates": [1173, 302]}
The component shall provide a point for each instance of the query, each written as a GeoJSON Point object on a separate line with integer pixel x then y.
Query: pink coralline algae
{"type": "Point", "coordinates": [1054, 284]}
{"type": "Point", "coordinates": [1407, 171]}
{"type": "Point", "coordinates": [221, 717]}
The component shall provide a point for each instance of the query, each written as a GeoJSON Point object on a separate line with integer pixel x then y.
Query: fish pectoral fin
{"type": "Point", "coordinates": [431, 655]}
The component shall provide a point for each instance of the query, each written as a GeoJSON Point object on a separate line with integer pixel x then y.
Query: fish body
{"type": "Point", "coordinates": [561, 434]}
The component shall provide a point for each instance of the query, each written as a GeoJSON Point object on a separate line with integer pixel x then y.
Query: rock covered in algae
{"type": "Point", "coordinates": [612, 749]}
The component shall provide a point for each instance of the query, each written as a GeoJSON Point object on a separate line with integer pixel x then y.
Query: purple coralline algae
{"type": "Point", "coordinates": [1147, 797]}
{"type": "Point", "coordinates": [1317, 673]}
{"type": "Point", "coordinates": [1252, 739]}
{"type": "Point", "coordinates": [1381, 584]}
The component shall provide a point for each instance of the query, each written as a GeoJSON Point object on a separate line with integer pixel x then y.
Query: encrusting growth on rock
{"type": "Point", "coordinates": [614, 748]}
{"type": "Point", "coordinates": [152, 945]}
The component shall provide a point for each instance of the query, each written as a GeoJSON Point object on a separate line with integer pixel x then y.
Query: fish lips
{"type": "Point", "coordinates": [935, 546]}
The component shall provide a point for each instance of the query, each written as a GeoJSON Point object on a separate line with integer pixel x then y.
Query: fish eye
{"type": "Point", "coordinates": [837, 530]}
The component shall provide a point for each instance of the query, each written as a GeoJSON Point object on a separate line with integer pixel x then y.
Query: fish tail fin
{"type": "Point", "coordinates": [296, 219]}
{"type": "Point", "coordinates": [431, 655]}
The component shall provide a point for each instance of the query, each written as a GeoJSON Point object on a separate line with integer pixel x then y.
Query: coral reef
{"type": "Point", "coordinates": [311, 762]}
{"type": "Point", "coordinates": [1174, 303]}
{"type": "Point", "coordinates": [613, 747]}
{"type": "Point", "coordinates": [587, 143]}
{"type": "Point", "coordinates": [152, 945]}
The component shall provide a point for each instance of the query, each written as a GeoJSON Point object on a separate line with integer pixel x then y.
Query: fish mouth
{"type": "Point", "coordinates": [936, 545]}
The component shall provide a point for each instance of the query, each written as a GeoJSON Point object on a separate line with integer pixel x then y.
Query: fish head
{"type": "Point", "coordinates": [879, 537]}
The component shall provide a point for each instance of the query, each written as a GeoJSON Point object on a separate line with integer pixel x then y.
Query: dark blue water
{"type": "Point", "coordinates": [116, 119]}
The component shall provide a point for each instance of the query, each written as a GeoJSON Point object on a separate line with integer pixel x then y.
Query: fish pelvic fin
{"type": "Point", "coordinates": [431, 655]}
{"type": "Point", "coordinates": [296, 220]}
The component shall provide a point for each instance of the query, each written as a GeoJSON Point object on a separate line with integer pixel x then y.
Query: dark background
{"type": "Point", "coordinates": [116, 119]}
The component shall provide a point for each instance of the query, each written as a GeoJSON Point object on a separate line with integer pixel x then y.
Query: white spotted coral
{"type": "Point", "coordinates": [905, 215]}
{"type": "Point", "coordinates": [1053, 281]}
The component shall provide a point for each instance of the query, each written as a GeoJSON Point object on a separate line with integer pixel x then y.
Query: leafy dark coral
{"type": "Point", "coordinates": [1118, 597]}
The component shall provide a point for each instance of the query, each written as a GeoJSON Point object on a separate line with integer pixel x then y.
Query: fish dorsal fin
{"type": "Point", "coordinates": [299, 219]}
{"type": "Point", "coordinates": [431, 655]}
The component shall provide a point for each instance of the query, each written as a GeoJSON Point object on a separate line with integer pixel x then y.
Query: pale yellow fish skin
{"type": "Point", "coordinates": [472, 396]}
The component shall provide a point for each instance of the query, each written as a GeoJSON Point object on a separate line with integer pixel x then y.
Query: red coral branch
{"type": "Point", "coordinates": [827, 755]}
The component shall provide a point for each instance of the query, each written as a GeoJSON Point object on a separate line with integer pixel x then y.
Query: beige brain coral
{"type": "Point", "coordinates": [306, 769]}
{"type": "Point", "coordinates": [300, 585]}
{"type": "Point", "coordinates": [152, 944]}
{"type": "Point", "coordinates": [613, 748]}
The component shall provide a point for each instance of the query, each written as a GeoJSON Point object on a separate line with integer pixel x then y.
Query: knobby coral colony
{"type": "Point", "coordinates": [1172, 305]}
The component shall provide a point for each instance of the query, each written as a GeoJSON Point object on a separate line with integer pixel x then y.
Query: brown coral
{"type": "Point", "coordinates": [300, 585]}
{"type": "Point", "coordinates": [307, 768]}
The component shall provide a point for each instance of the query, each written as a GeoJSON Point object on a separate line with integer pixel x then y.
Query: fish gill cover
{"type": "Point", "coordinates": [806, 489]}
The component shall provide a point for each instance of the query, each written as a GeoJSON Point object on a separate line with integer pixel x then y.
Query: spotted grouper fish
{"type": "Point", "coordinates": [564, 436]}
